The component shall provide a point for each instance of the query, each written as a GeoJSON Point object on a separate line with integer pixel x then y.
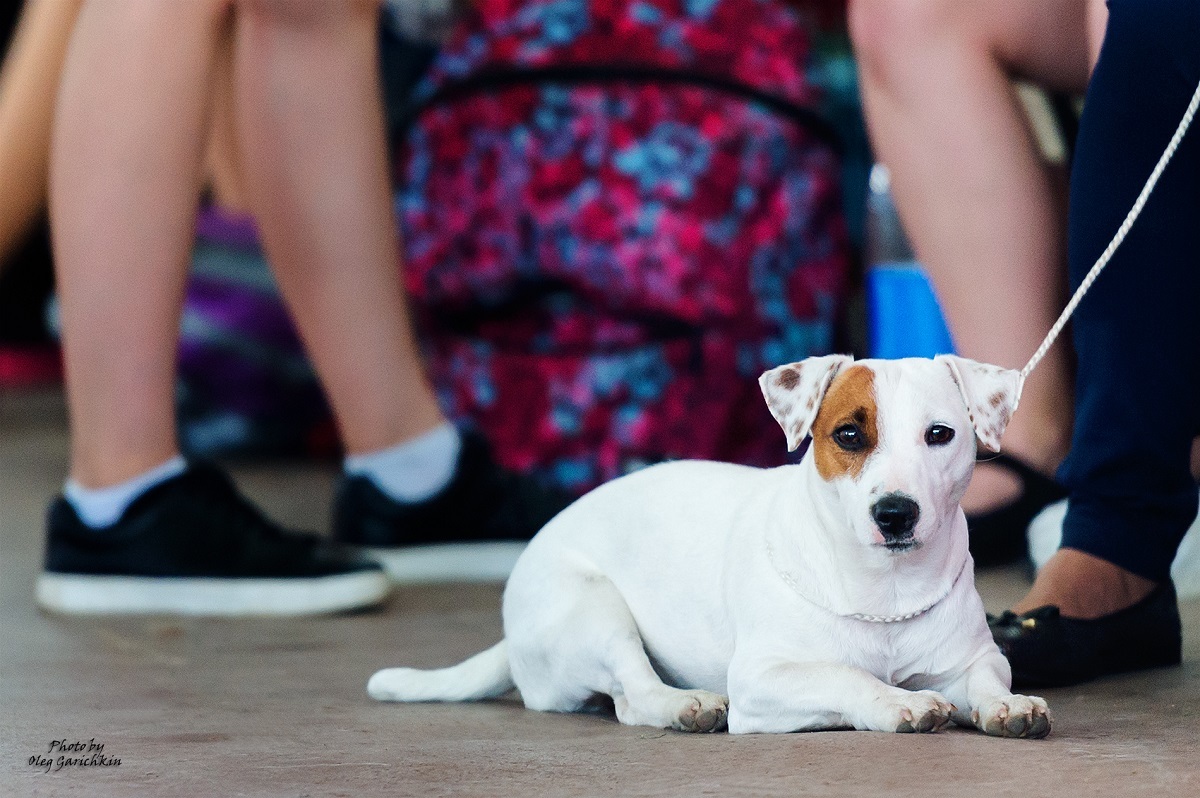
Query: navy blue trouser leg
{"type": "Point", "coordinates": [1137, 333]}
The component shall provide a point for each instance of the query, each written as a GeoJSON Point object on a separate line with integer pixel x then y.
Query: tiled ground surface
{"type": "Point", "coordinates": [208, 708]}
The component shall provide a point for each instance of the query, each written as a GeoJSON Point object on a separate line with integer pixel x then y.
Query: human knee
{"type": "Point", "coordinates": [887, 32]}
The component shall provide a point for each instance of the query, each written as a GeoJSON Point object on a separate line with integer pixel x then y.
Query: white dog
{"type": "Point", "coordinates": [835, 593]}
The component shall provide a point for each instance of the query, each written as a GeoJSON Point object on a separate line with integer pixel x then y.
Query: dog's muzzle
{"type": "Point", "coordinates": [896, 515]}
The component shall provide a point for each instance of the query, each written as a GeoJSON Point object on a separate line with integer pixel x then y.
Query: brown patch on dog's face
{"type": "Point", "coordinates": [997, 399]}
{"type": "Point", "coordinates": [849, 402]}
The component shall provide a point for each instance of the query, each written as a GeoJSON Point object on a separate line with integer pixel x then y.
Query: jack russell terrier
{"type": "Point", "coordinates": [834, 593]}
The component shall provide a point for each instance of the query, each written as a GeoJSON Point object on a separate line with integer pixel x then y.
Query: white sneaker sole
{"type": "Point", "coordinates": [85, 594]}
{"type": "Point", "coordinates": [492, 561]}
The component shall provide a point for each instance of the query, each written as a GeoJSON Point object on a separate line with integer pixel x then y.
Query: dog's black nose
{"type": "Point", "coordinates": [896, 515]}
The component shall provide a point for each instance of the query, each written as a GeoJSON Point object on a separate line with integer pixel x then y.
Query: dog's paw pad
{"type": "Point", "coordinates": [703, 712]}
{"type": "Point", "coordinates": [920, 712]}
{"type": "Point", "coordinates": [1014, 716]}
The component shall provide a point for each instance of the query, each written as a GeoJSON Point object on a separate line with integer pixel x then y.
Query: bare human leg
{"type": "Point", "coordinates": [28, 85]}
{"type": "Point", "coordinates": [312, 132]}
{"type": "Point", "coordinates": [983, 210]}
{"type": "Point", "coordinates": [222, 158]}
{"type": "Point", "coordinates": [124, 180]}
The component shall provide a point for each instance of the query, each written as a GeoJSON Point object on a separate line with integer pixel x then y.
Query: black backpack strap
{"type": "Point", "coordinates": [603, 73]}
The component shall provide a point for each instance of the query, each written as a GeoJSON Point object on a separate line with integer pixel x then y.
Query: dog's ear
{"type": "Point", "coordinates": [794, 392]}
{"type": "Point", "coordinates": [991, 395]}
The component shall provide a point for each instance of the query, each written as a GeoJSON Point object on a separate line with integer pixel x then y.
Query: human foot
{"type": "Point", "coordinates": [1037, 438]}
{"type": "Point", "coordinates": [473, 529]}
{"type": "Point", "coordinates": [1047, 649]}
{"type": "Point", "coordinates": [1085, 617]}
{"type": "Point", "coordinates": [193, 545]}
{"type": "Point", "coordinates": [1035, 443]}
{"type": "Point", "coordinates": [998, 534]}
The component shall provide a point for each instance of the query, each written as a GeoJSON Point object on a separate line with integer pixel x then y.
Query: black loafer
{"type": "Point", "coordinates": [1048, 650]}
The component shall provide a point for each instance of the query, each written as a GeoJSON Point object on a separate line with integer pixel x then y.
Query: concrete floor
{"type": "Point", "coordinates": [207, 708]}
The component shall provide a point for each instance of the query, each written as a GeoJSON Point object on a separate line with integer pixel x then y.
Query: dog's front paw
{"type": "Point", "coordinates": [671, 708]}
{"type": "Point", "coordinates": [703, 712]}
{"type": "Point", "coordinates": [1013, 716]}
{"type": "Point", "coordinates": [919, 711]}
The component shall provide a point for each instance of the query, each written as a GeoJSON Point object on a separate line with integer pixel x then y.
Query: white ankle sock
{"type": "Point", "coordinates": [101, 507]}
{"type": "Point", "coordinates": [414, 470]}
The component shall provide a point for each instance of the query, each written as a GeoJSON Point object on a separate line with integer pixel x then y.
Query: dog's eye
{"type": "Point", "coordinates": [939, 435]}
{"type": "Point", "coordinates": [849, 437]}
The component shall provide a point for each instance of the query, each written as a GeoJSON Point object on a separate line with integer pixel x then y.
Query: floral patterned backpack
{"type": "Point", "coordinates": [617, 213]}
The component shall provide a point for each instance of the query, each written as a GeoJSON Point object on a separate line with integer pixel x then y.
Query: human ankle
{"type": "Point", "coordinates": [412, 470]}
{"type": "Point", "coordinates": [98, 467]}
{"type": "Point", "coordinates": [102, 507]}
{"type": "Point", "coordinates": [1084, 586]}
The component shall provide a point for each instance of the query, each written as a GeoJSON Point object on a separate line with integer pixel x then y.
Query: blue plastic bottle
{"type": "Point", "coordinates": [903, 315]}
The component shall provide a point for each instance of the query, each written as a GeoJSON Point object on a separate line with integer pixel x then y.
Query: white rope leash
{"type": "Point", "coordinates": [1107, 254]}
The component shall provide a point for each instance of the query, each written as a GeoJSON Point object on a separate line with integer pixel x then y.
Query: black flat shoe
{"type": "Point", "coordinates": [1048, 650]}
{"type": "Point", "coordinates": [997, 537]}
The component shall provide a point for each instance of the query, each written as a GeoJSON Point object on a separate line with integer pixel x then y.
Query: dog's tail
{"type": "Point", "coordinates": [485, 675]}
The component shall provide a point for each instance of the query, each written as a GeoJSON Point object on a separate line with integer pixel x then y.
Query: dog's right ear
{"type": "Point", "coordinates": [794, 392]}
{"type": "Point", "coordinates": [990, 393]}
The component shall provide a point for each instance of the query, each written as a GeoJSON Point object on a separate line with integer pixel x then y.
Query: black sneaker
{"type": "Point", "coordinates": [473, 530]}
{"type": "Point", "coordinates": [192, 545]}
